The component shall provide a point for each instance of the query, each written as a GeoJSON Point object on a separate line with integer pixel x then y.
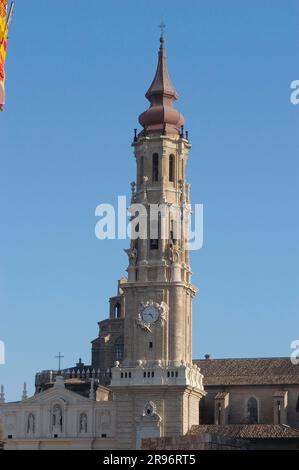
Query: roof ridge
{"type": "Point", "coordinates": [242, 358]}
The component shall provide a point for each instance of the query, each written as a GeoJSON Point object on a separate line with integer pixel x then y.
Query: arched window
{"type": "Point", "coordinates": [155, 167]}
{"type": "Point", "coordinates": [117, 310]}
{"type": "Point", "coordinates": [173, 231]}
{"type": "Point", "coordinates": [219, 413]}
{"type": "Point", "coordinates": [252, 410]}
{"type": "Point", "coordinates": [119, 349]}
{"type": "Point", "coordinates": [171, 167]}
{"type": "Point", "coordinates": [141, 171]}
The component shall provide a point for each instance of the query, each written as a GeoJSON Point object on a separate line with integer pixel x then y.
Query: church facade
{"type": "Point", "coordinates": [142, 384]}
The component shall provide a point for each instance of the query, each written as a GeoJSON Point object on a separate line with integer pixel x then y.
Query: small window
{"type": "Point", "coordinates": [171, 167]}
{"type": "Point", "coordinates": [155, 167]}
{"type": "Point", "coordinates": [104, 435]}
{"type": "Point", "coordinates": [117, 310]}
{"type": "Point", "coordinates": [150, 344]}
{"type": "Point", "coordinates": [154, 244]}
{"type": "Point", "coordinates": [297, 405]}
{"type": "Point", "coordinates": [252, 412]}
{"type": "Point", "coordinates": [155, 231]}
{"type": "Point", "coordinates": [278, 412]}
{"type": "Point", "coordinates": [119, 350]}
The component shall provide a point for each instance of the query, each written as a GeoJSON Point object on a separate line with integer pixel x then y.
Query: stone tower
{"type": "Point", "coordinates": [156, 387]}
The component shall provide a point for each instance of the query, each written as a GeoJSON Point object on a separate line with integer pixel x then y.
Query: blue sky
{"type": "Point", "coordinates": [76, 76]}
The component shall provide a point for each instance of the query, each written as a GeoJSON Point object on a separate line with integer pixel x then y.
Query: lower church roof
{"type": "Point", "coordinates": [249, 371]}
{"type": "Point", "coordinates": [248, 431]}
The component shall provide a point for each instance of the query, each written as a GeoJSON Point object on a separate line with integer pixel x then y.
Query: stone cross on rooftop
{"type": "Point", "coordinates": [59, 357]}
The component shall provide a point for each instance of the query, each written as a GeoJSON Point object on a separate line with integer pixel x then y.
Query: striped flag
{"type": "Point", "coordinates": [4, 23]}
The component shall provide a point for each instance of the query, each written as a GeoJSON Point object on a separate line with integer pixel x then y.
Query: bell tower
{"type": "Point", "coordinates": [156, 384]}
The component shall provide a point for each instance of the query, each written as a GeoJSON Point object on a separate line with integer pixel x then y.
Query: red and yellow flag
{"type": "Point", "coordinates": [4, 23]}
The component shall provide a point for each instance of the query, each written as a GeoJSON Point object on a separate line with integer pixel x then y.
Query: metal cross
{"type": "Point", "coordinates": [162, 26]}
{"type": "Point", "coordinates": [59, 357]}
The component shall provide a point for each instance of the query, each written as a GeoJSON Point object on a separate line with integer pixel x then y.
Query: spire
{"type": "Point", "coordinates": [91, 390]}
{"type": "Point", "coordinates": [161, 86]}
{"type": "Point", "coordinates": [161, 115]}
{"type": "Point", "coordinates": [24, 394]}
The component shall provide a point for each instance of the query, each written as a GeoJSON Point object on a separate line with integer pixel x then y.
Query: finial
{"type": "Point", "coordinates": [24, 394]}
{"type": "Point", "coordinates": [135, 135]}
{"type": "Point", "coordinates": [187, 135]}
{"type": "Point", "coordinates": [133, 191]}
{"type": "Point", "coordinates": [2, 395]}
{"type": "Point", "coordinates": [162, 27]}
{"type": "Point", "coordinates": [80, 364]}
{"type": "Point", "coordinates": [182, 132]}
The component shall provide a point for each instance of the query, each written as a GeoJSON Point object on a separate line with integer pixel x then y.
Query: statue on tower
{"type": "Point", "coordinates": [174, 252]}
{"type": "Point", "coordinates": [31, 424]}
{"type": "Point", "coordinates": [57, 419]}
{"type": "Point", "coordinates": [83, 423]}
{"type": "Point", "coordinates": [132, 255]}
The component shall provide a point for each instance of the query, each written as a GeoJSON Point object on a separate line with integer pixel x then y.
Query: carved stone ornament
{"type": "Point", "coordinates": [132, 255]}
{"type": "Point", "coordinates": [143, 320]}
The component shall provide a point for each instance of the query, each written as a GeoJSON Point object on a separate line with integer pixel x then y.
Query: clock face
{"type": "Point", "coordinates": [150, 314]}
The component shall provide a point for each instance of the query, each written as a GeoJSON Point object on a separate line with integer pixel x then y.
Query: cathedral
{"type": "Point", "coordinates": [142, 389]}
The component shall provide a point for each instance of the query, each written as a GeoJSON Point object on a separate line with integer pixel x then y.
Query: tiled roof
{"type": "Point", "coordinates": [248, 431]}
{"type": "Point", "coordinates": [277, 370]}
